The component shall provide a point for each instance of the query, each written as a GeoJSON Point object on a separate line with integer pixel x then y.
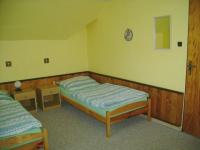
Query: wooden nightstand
{"type": "Point", "coordinates": [27, 98]}
{"type": "Point", "coordinates": [49, 97]}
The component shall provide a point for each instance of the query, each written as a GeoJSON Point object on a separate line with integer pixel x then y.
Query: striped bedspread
{"type": "Point", "coordinates": [14, 119]}
{"type": "Point", "coordinates": [107, 96]}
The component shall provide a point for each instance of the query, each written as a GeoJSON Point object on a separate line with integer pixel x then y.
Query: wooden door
{"type": "Point", "coordinates": [191, 121]}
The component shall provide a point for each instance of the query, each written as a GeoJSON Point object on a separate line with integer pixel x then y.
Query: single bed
{"type": "Point", "coordinates": [106, 102]}
{"type": "Point", "coordinates": [18, 128]}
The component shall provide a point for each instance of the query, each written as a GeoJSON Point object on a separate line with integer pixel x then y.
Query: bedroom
{"type": "Point", "coordinates": [81, 36]}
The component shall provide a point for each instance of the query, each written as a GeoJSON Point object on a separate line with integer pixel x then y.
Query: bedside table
{"type": "Point", "coordinates": [27, 98]}
{"type": "Point", "coordinates": [49, 97]}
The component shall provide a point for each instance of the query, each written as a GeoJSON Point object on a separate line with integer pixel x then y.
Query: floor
{"type": "Point", "coordinates": [71, 129]}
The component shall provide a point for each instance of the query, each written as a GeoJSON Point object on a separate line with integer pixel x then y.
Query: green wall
{"type": "Point", "coordinates": [66, 56]}
{"type": "Point", "coordinates": [138, 60]}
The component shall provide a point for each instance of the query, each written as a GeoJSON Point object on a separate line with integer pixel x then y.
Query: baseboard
{"type": "Point", "coordinates": [163, 123]}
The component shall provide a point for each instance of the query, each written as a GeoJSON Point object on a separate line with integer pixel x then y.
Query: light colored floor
{"type": "Point", "coordinates": [71, 129]}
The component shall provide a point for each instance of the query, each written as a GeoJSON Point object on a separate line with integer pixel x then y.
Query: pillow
{"type": "Point", "coordinates": [4, 102]}
{"type": "Point", "coordinates": [3, 93]}
{"type": "Point", "coordinates": [79, 82]}
{"type": "Point", "coordinates": [75, 80]}
{"type": "Point", "coordinates": [5, 96]}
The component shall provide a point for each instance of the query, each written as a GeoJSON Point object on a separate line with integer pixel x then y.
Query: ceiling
{"type": "Point", "coordinates": [46, 19]}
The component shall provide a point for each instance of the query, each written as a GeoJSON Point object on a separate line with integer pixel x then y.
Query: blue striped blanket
{"type": "Point", "coordinates": [14, 119]}
{"type": "Point", "coordinates": [107, 96]}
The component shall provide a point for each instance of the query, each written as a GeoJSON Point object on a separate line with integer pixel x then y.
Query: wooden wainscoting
{"type": "Point", "coordinates": [166, 104]}
{"type": "Point", "coordinates": [38, 82]}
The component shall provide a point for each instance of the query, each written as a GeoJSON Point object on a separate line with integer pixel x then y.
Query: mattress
{"type": "Point", "coordinates": [14, 119]}
{"type": "Point", "coordinates": [104, 97]}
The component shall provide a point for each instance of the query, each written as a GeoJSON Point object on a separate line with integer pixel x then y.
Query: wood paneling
{"type": "Point", "coordinates": [191, 121]}
{"type": "Point", "coordinates": [166, 104]}
{"type": "Point", "coordinates": [39, 82]}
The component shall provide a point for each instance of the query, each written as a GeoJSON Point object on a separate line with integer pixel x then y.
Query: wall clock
{"type": "Point", "coordinates": [128, 34]}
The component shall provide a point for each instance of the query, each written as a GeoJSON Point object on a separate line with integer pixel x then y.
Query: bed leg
{"type": "Point", "coordinates": [46, 146]}
{"type": "Point", "coordinates": [149, 110]}
{"type": "Point", "coordinates": [108, 132]}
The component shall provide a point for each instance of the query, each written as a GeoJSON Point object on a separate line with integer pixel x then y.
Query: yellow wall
{"type": "Point", "coordinates": [138, 60]}
{"type": "Point", "coordinates": [103, 42]}
{"type": "Point", "coordinates": [66, 56]}
{"type": "Point", "coordinates": [45, 19]}
{"type": "Point", "coordinates": [162, 32]}
{"type": "Point", "coordinates": [31, 30]}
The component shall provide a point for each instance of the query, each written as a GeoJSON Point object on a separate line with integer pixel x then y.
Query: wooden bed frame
{"type": "Point", "coordinates": [4, 144]}
{"type": "Point", "coordinates": [116, 115]}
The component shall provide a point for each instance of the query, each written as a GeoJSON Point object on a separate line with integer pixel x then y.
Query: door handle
{"type": "Point", "coordinates": [190, 66]}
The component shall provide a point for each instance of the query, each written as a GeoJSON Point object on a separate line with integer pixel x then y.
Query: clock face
{"type": "Point", "coordinates": [128, 34]}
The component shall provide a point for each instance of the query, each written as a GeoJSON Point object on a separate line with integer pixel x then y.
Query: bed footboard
{"type": "Point", "coordinates": [127, 111]}
{"type": "Point", "coordinates": [116, 115]}
{"type": "Point", "coordinates": [20, 139]}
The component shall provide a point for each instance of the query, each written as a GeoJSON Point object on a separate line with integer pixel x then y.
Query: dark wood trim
{"type": "Point", "coordinates": [35, 83]}
{"type": "Point", "coordinates": [166, 104]}
{"type": "Point", "coordinates": [89, 73]}
{"type": "Point", "coordinates": [160, 88]}
{"type": "Point", "coordinates": [53, 76]}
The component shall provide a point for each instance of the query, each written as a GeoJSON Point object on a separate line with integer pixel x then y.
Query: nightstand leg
{"type": "Point", "coordinates": [35, 105]}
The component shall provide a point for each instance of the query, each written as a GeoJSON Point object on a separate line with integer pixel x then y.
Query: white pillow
{"type": "Point", "coordinates": [78, 82]}
{"type": "Point", "coordinates": [4, 96]}
{"type": "Point", "coordinates": [3, 102]}
{"type": "Point", "coordinates": [3, 93]}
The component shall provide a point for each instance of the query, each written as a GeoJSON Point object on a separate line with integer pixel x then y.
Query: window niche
{"type": "Point", "coordinates": [162, 32]}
